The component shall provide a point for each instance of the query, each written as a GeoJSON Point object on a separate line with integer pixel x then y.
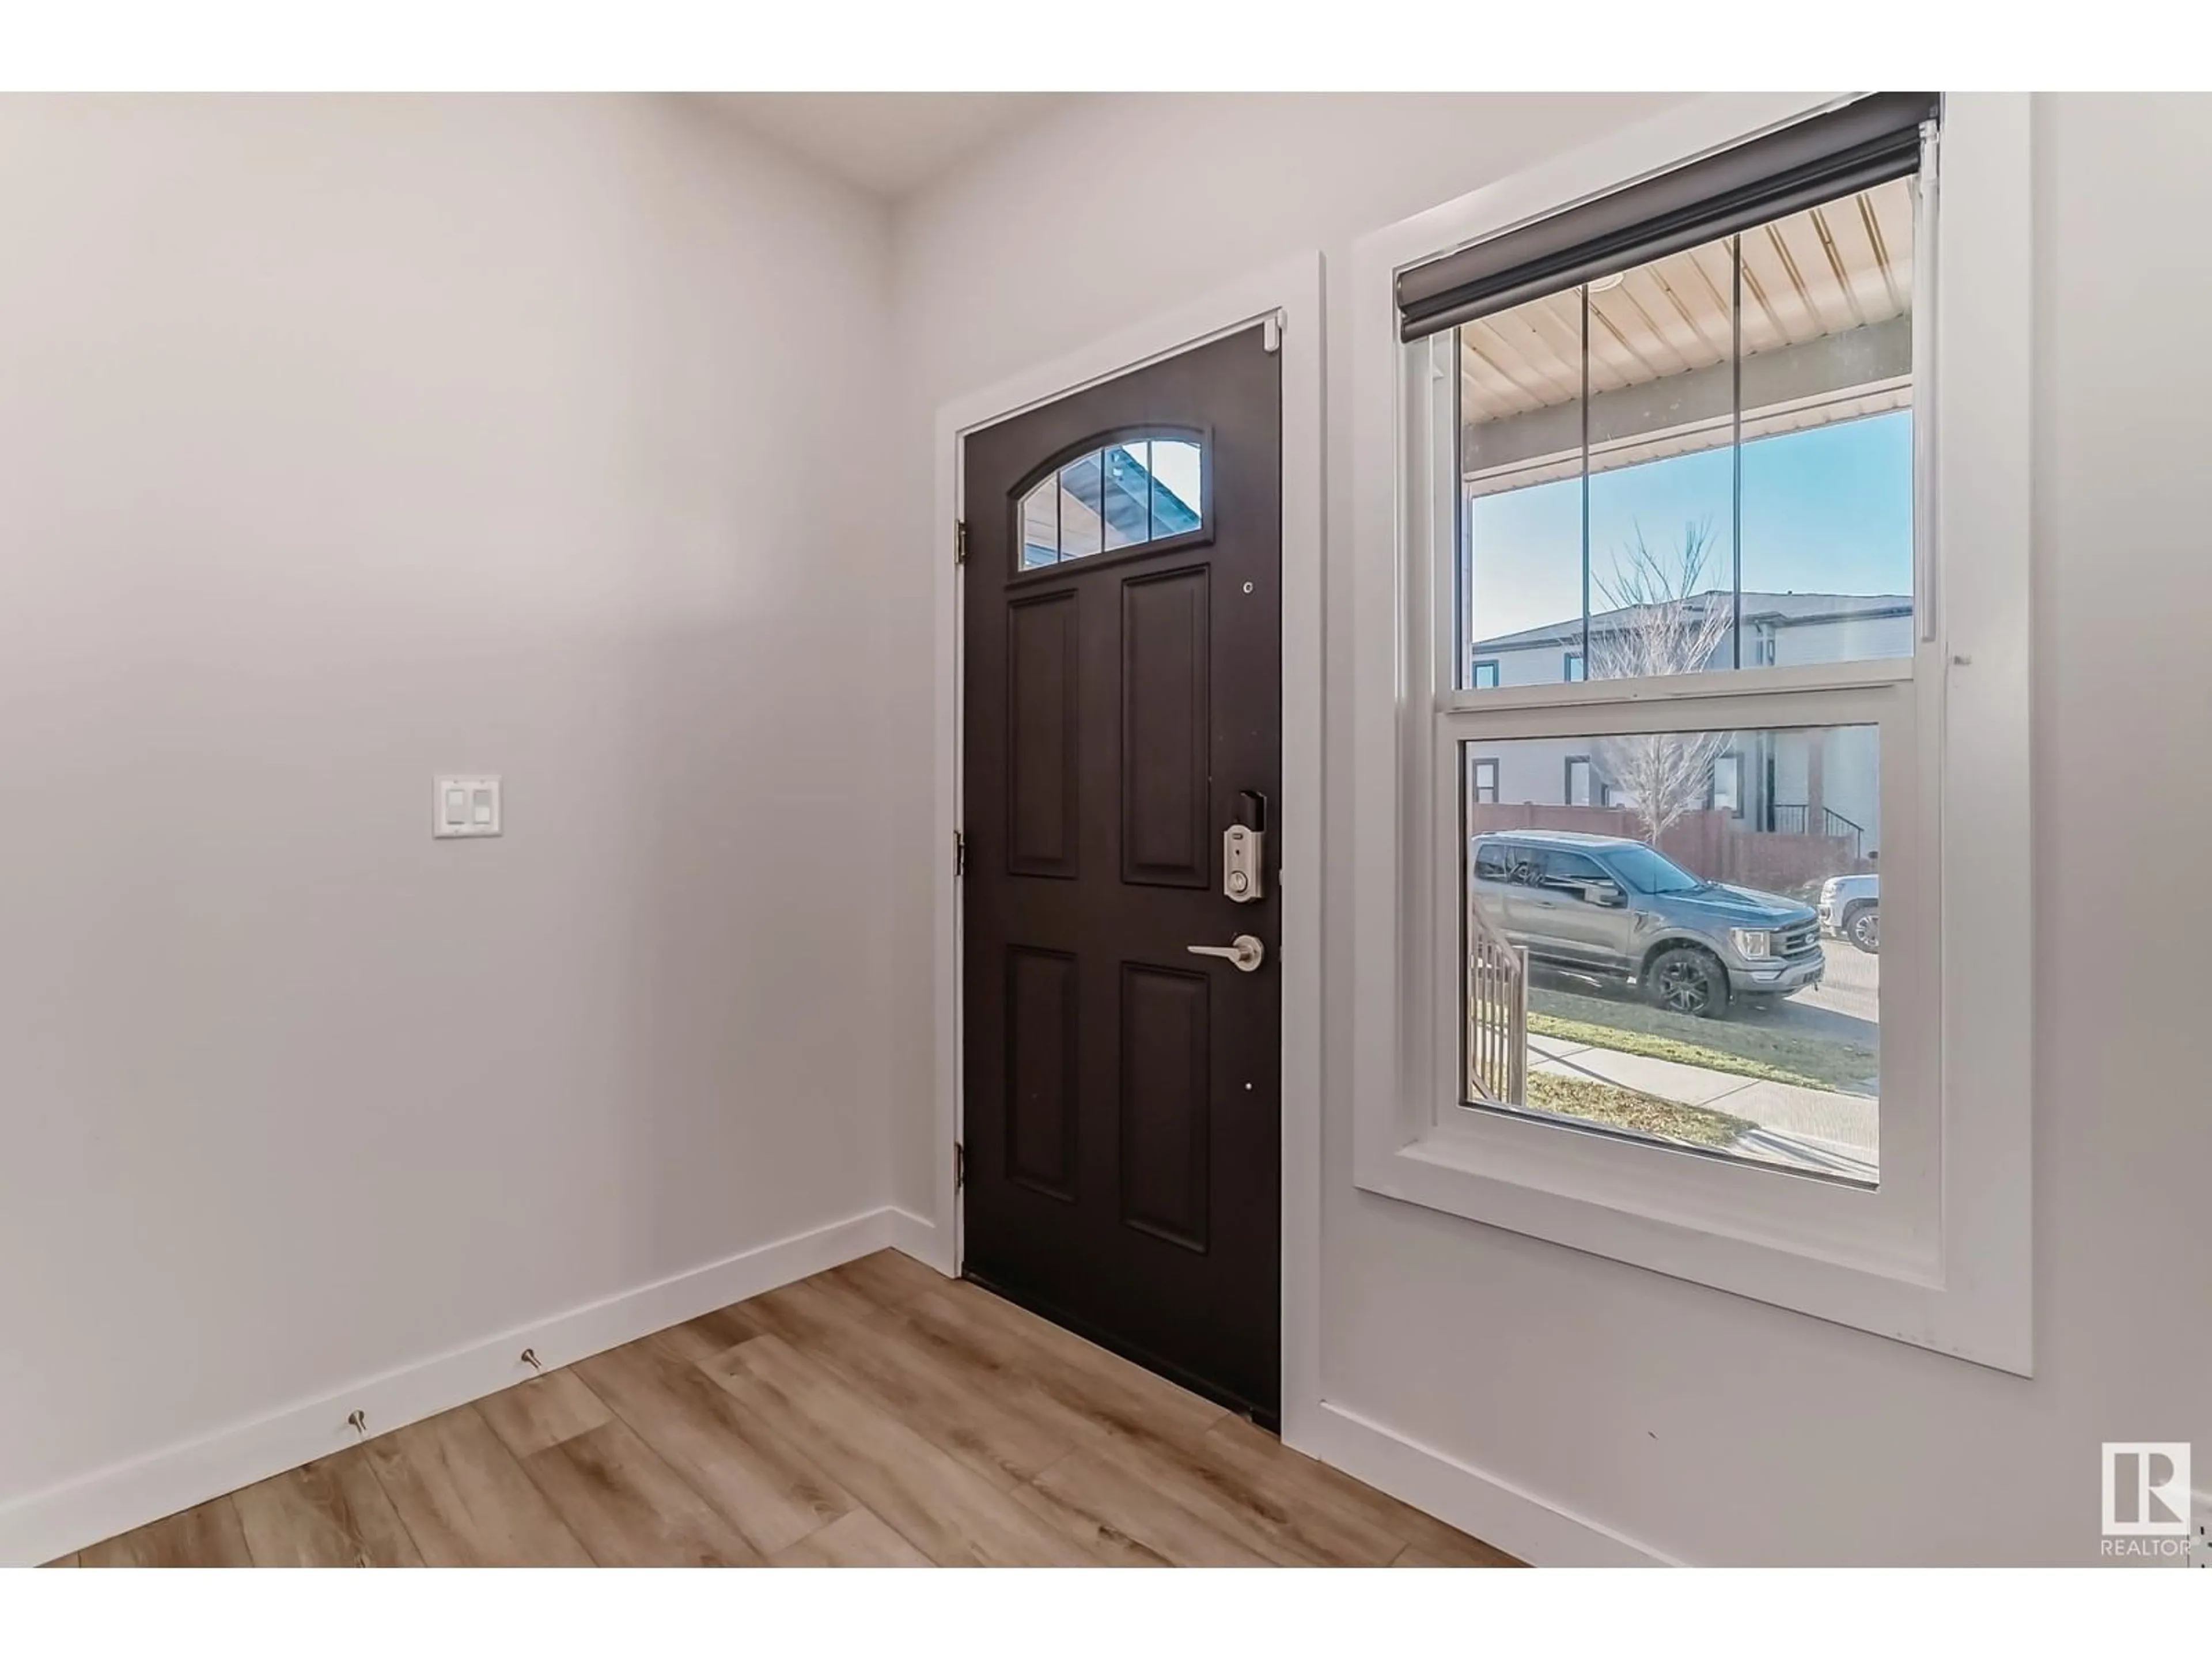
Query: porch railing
{"type": "Point", "coordinates": [1796, 818]}
{"type": "Point", "coordinates": [1496, 1014]}
{"type": "Point", "coordinates": [1842, 828]}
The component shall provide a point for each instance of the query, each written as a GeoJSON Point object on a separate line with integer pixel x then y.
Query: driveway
{"type": "Point", "coordinates": [1850, 990]}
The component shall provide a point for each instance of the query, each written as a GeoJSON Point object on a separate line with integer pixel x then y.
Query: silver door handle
{"type": "Point", "coordinates": [1246, 952]}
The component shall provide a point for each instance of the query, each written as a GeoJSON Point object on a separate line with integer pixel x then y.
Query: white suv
{"type": "Point", "coordinates": [1850, 908]}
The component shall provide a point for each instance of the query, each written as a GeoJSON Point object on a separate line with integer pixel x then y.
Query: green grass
{"type": "Point", "coordinates": [1734, 1046]}
{"type": "Point", "coordinates": [1627, 1108]}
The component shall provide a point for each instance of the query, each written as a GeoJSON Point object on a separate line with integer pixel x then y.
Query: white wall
{"type": "Point", "coordinates": [343, 441]}
{"type": "Point", "coordinates": [1711, 1428]}
{"type": "Point", "coordinates": [1003, 265]}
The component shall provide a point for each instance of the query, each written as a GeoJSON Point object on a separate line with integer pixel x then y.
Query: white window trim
{"type": "Point", "coordinates": [1940, 1256]}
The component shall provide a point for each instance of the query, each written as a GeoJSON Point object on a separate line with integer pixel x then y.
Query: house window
{"type": "Point", "coordinates": [1133, 489]}
{"type": "Point", "coordinates": [1636, 420]}
{"type": "Point", "coordinates": [1485, 675]}
{"type": "Point", "coordinates": [1684, 436]}
{"type": "Point", "coordinates": [1727, 792]}
{"type": "Point", "coordinates": [1696, 957]}
{"type": "Point", "coordinates": [1482, 781]}
{"type": "Point", "coordinates": [1578, 780]}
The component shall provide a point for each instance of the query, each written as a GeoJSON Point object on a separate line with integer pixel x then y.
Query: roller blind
{"type": "Point", "coordinates": [1867, 142]}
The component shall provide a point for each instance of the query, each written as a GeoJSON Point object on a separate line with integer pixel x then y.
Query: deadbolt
{"type": "Point", "coordinates": [1244, 851]}
{"type": "Point", "coordinates": [1241, 863]}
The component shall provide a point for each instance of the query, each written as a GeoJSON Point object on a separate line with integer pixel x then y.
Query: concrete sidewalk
{"type": "Point", "coordinates": [1834, 1131]}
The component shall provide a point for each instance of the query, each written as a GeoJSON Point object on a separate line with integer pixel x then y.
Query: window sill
{"type": "Point", "coordinates": [1654, 1208]}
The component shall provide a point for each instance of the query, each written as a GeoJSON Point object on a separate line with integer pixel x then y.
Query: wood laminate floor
{"type": "Point", "coordinates": [873, 1415]}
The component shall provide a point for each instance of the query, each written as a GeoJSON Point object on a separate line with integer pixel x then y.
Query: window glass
{"type": "Point", "coordinates": [1578, 781]}
{"type": "Point", "coordinates": [1082, 530]}
{"type": "Point", "coordinates": [1041, 526]}
{"type": "Point", "coordinates": [1571, 873]}
{"type": "Point", "coordinates": [1722, 992]}
{"type": "Point", "coordinates": [1493, 860]}
{"type": "Point", "coordinates": [1728, 783]}
{"type": "Point", "coordinates": [1662, 474]}
{"type": "Point", "coordinates": [1827, 452]}
{"type": "Point", "coordinates": [1128, 494]}
{"type": "Point", "coordinates": [1700, 462]}
{"type": "Point", "coordinates": [1175, 498]}
{"type": "Point", "coordinates": [1121, 494]}
{"type": "Point", "coordinates": [1485, 674]}
{"type": "Point", "coordinates": [1484, 776]}
{"type": "Point", "coordinates": [1649, 870]}
{"type": "Point", "coordinates": [1520, 399]}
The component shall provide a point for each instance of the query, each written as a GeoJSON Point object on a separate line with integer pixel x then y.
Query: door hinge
{"type": "Point", "coordinates": [959, 853]}
{"type": "Point", "coordinates": [1271, 333]}
{"type": "Point", "coordinates": [960, 541]}
{"type": "Point", "coordinates": [959, 1166]}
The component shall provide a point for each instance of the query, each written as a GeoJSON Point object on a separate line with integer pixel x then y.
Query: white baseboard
{"type": "Point", "coordinates": [52, 1523]}
{"type": "Point", "coordinates": [922, 1239]}
{"type": "Point", "coordinates": [1490, 1509]}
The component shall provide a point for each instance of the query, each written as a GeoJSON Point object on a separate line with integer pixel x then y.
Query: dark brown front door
{"type": "Point", "coordinates": [1123, 710]}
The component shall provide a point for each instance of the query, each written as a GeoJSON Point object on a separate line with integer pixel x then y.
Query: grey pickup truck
{"type": "Point", "coordinates": [1607, 905]}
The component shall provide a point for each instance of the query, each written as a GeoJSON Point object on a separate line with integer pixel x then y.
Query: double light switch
{"type": "Point", "coordinates": [465, 807]}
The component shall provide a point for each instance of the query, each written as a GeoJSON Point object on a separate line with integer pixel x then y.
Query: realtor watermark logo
{"type": "Point", "coordinates": [2146, 1497]}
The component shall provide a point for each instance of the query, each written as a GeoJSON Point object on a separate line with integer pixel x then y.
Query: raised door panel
{"type": "Point", "coordinates": [1042, 744]}
{"type": "Point", "coordinates": [1166, 1114]}
{"type": "Point", "coordinates": [1041, 1071]}
{"type": "Point", "coordinates": [1166, 723]}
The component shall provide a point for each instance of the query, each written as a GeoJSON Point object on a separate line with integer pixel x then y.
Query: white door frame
{"type": "Point", "coordinates": [1291, 291]}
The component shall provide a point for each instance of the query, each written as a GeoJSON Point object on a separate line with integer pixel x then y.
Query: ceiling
{"type": "Point", "coordinates": [887, 142]}
{"type": "Point", "coordinates": [1825, 336]}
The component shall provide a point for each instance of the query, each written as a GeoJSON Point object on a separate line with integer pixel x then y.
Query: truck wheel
{"type": "Point", "coordinates": [1863, 927]}
{"type": "Point", "coordinates": [1684, 980]}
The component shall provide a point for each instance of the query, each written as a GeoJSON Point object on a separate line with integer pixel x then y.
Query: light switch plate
{"type": "Point", "coordinates": [465, 808]}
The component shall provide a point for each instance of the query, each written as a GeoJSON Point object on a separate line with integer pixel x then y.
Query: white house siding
{"type": "Point", "coordinates": [1530, 771]}
{"type": "Point", "coordinates": [1534, 772]}
{"type": "Point", "coordinates": [1853, 639]}
{"type": "Point", "coordinates": [1528, 665]}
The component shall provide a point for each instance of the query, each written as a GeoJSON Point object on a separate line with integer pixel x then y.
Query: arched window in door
{"type": "Point", "coordinates": [1131, 489]}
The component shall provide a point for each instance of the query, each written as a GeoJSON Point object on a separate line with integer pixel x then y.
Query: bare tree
{"type": "Point", "coordinates": [1664, 620]}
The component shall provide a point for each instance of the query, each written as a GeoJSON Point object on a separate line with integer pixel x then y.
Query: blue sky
{"type": "Point", "coordinates": [1825, 511]}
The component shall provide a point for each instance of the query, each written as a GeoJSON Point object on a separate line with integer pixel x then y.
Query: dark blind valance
{"type": "Point", "coordinates": [1866, 142]}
